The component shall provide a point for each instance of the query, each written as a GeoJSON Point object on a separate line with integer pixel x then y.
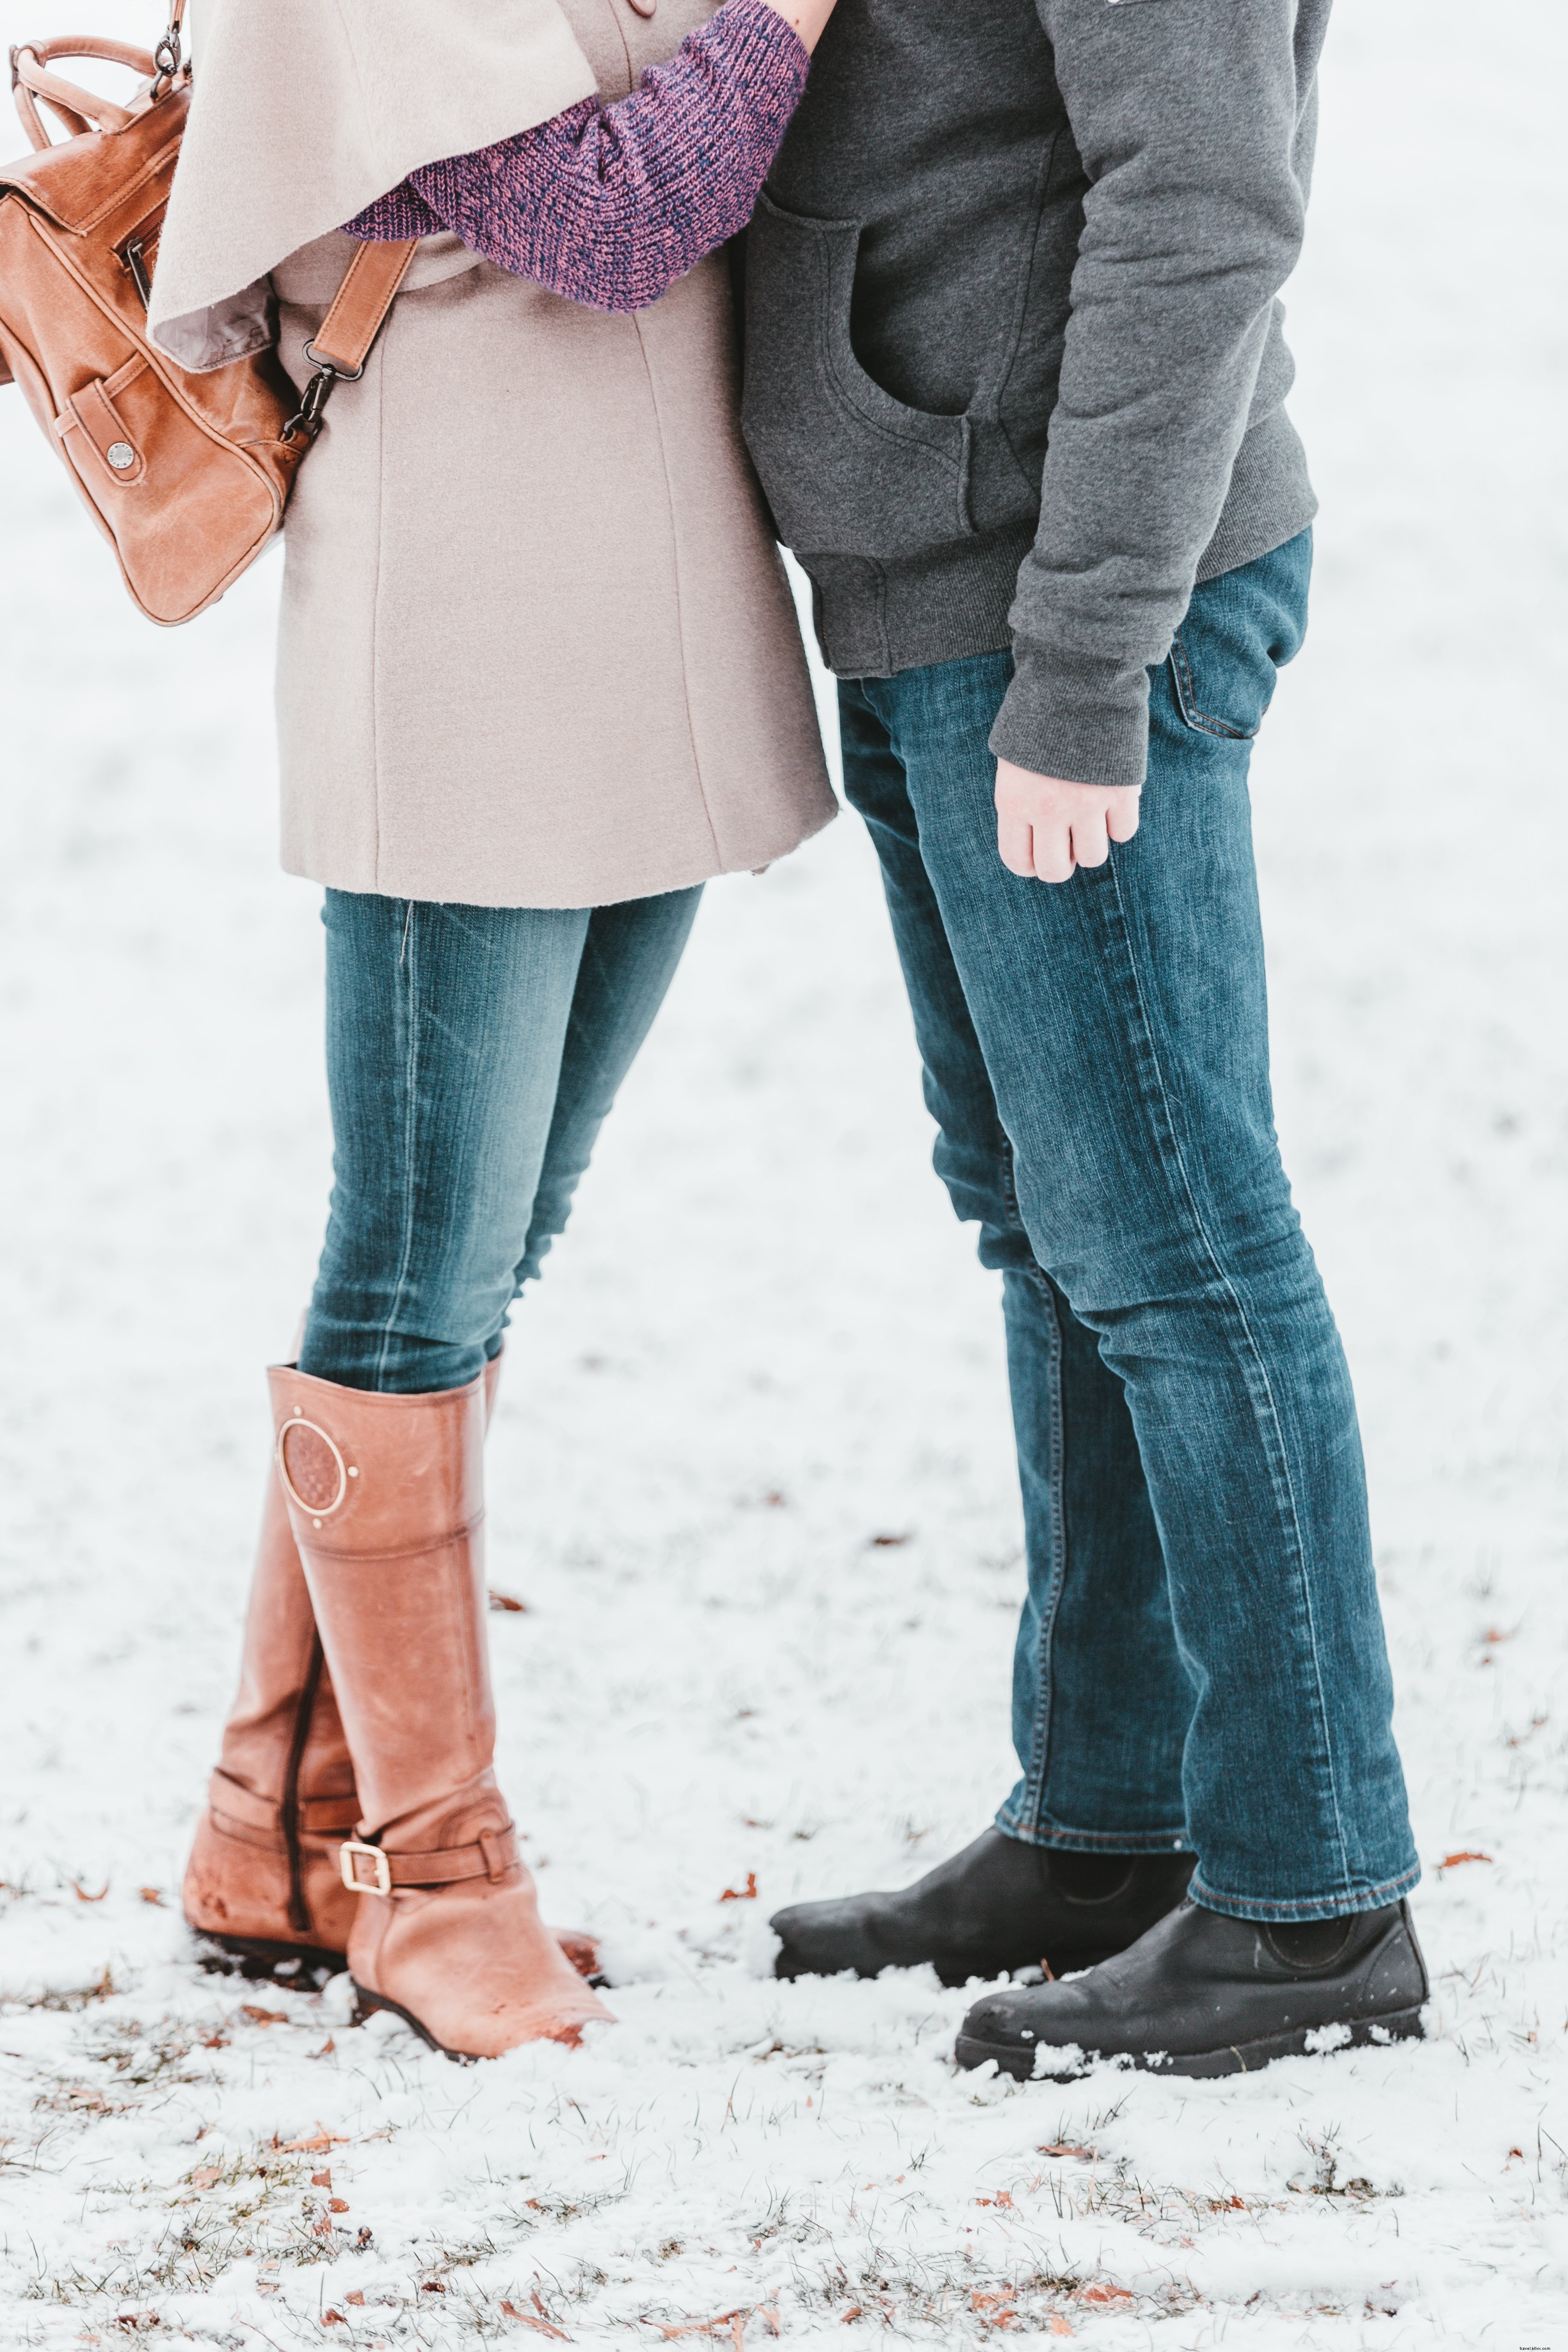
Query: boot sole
{"type": "Point", "coordinates": [367, 2003]}
{"type": "Point", "coordinates": [954, 1973]}
{"type": "Point", "coordinates": [1240, 2058]}
{"type": "Point", "coordinates": [255, 1960]}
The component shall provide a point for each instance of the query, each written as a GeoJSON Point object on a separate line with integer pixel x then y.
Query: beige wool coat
{"type": "Point", "coordinates": [536, 645]}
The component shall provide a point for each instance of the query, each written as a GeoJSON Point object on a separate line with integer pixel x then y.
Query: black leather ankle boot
{"type": "Point", "coordinates": [999, 1905]}
{"type": "Point", "coordinates": [1201, 1994]}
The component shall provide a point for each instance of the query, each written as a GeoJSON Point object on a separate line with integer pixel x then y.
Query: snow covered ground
{"type": "Point", "coordinates": [764, 1346]}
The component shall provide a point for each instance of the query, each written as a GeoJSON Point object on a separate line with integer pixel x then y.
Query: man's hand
{"type": "Point", "coordinates": [1045, 828]}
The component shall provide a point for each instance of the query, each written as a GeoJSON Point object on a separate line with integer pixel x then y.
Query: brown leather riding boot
{"type": "Point", "coordinates": [264, 1882]}
{"type": "Point", "coordinates": [386, 1498]}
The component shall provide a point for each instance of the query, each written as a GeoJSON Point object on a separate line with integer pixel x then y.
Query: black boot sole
{"type": "Point", "coordinates": [257, 1961]}
{"type": "Point", "coordinates": [367, 2003]}
{"type": "Point", "coordinates": [952, 1972]}
{"type": "Point", "coordinates": [1241, 2058]}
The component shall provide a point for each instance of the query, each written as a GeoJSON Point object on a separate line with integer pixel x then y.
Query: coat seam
{"type": "Point", "coordinates": [680, 600]}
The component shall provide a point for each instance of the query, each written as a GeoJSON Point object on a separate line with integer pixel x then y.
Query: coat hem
{"type": "Point", "coordinates": [326, 873]}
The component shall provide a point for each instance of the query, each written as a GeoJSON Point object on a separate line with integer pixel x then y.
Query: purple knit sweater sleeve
{"type": "Point", "coordinates": [610, 205]}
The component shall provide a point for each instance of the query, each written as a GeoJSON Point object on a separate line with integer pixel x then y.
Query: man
{"type": "Point", "coordinates": [1015, 378]}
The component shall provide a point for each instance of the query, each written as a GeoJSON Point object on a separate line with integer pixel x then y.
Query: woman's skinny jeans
{"type": "Point", "coordinates": [472, 1053]}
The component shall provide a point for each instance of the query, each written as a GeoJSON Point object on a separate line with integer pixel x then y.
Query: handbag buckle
{"type": "Point", "coordinates": [316, 394]}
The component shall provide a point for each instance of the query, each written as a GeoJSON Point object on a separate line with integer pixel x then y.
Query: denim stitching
{"type": "Point", "coordinates": [1279, 1469]}
{"type": "Point", "coordinates": [1062, 1837]}
{"type": "Point", "coordinates": [1202, 723]}
{"type": "Point", "coordinates": [1257, 1907]}
{"type": "Point", "coordinates": [1035, 1779]}
{"type": "Point", "coordinates": [409, 959]}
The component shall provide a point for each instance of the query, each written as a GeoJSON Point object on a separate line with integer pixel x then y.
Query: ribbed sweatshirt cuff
{"type": "Point", "coordinates": [1081, 717]}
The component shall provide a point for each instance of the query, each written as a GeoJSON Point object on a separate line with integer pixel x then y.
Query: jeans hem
{"type": "Point", "coordinates": [1306, 1907]}
{"type": "Point", "coordinates": [1173, 1841]}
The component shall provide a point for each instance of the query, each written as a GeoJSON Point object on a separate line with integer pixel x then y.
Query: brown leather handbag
{"type": "Point", "coordinates": [186, 476]}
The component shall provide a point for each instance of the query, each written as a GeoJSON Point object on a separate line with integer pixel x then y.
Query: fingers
{"type": "Point", "coordinates": [1047, 827]}
{"type": "Point", "coordinates": [1121, 812]}
{"type": "Point", "coordinates": [1090, 841]}
{"type": "Point", "coordinates": [1053, 850]}
{"type": "Point", "coordinates": [1014, 842]}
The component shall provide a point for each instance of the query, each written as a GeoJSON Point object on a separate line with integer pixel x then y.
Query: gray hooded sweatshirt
{"type": "Point", "coordinates": [1015, 371]}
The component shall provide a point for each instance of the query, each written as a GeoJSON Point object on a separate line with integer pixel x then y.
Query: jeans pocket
{"type": "Point", "coordinates": [1237, 633]}
{"type": "Point", "coordinates": [1221, 687]}
{"type": "Point", "coordinates": [846, 468]}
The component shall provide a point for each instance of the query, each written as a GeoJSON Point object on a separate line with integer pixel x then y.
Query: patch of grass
{"type": "Point", "coordinates": [102, 1987]}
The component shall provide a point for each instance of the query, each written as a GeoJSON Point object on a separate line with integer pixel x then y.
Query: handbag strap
{"type": "Point", "coordinates": [341, 343]}
{"type": "Point", "coordinates": [81, 111]}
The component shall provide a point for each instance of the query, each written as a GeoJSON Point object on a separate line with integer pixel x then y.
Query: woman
{"type": "Point", "coordinates": [539, 678]}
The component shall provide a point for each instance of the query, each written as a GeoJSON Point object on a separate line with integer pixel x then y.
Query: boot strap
{"type": "Point", "coordinates": [491, 1855]}
{"type": "Point", "coordinates": [258, 1821]}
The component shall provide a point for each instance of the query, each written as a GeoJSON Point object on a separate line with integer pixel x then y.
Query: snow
{"type": "Point", "coordinates": [763, 1344]}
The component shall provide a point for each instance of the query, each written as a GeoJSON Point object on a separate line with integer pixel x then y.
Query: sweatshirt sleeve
{"type": "Point", "coordinates": [609, 205]}
{"type": "Point", "coordinates": [1193, 132]}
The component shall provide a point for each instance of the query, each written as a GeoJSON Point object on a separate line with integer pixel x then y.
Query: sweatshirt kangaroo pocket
{"type": "Point", "coordinates": [847, 469]}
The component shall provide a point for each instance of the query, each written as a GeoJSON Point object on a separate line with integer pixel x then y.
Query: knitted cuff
{"type": "Point", "coordinates": [1083, 718]}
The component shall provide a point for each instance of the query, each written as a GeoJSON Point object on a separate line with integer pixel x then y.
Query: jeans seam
{"type": "Point", "coordinates": [407, 961]}
{"type": "Point", "coordinates": [1267, 1909]}
{"type": "Point", "coordinates": [1062, 1836]}
{"type": "Point", "coordinates": [1280, 1468]}
{"type": "Point", "coordinates": [1035, 1780]}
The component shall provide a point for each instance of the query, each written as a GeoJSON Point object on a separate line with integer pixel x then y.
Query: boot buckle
{"type": "Point", "coordinates": [348, 1862]}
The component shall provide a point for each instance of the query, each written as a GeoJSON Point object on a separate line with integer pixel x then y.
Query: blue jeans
{"type": "Point", "coordinates": [473, 1053]}
{"type": "Point", "coordinates": [1201, 1658]}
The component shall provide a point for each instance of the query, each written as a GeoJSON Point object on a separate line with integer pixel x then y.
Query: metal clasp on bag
{"type": "Point", "coordinates": [168, 58]}
{"type": "Point", "coordinates": [316, 394]}
{"type": "Point", "coordinates": [348, 1863]}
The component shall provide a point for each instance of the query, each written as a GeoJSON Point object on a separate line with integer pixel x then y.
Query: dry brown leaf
{"type": "Point", "coordinates": [1058, 2324]}
{"type": "Point", "coordinates": [337, 2204]}
{"type": "Point", "coordinates": [1452, 1861]}
{"type": "Point", "coordinates": [1107, 2295]}
{"type": "Point", "coordinates": [263, 2016]}
{"type": "Point", "coordinates": [151, 1895]}
{"type": "Point", "coordinates": [206, 2175]}
{"type": "Point", "coordinates": [507, 1604]}
{"type": "Point", "coordinates": [1066, 2147]}
{"type": "Point", "coordinates": [80, 1891]}
{"type": "Point", "coordinates": [357, 2296]}
{"type": "Point", "coordinates": [542, 2326]}
{"type": "Point", "coordinates": [890, 1543]}
{"type": "Point", "coordinates": [321, 2180]}
{"type": "Point", "coordinates": [747, 1894]}
{"type": "Point", "coordinates": [321, 2140]}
